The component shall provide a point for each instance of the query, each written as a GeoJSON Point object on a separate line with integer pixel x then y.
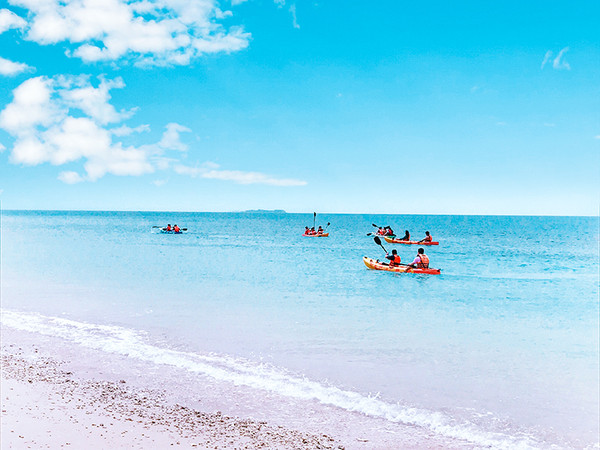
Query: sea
{"type": "Point", "coordinates": [243, 313]}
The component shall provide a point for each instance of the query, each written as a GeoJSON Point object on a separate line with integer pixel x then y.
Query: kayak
{"type": "Point", "coordinates": [316, 235]}
{"type": "Point", "coordinates": [378, 265]}
{"type": "Point", "coordinates": [400, 241]}
{"type": "Point", "coordinates": [171, 232]}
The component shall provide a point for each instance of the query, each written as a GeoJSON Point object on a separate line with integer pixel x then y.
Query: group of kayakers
{"type": "Point", "coordinates": [312, 232]}
{"type": "Point", "coordinates": [174, 228]}
{"type": "Point", "coordinates": [421, 261]}
{"type": "Point", "coordinates": [387, 231]}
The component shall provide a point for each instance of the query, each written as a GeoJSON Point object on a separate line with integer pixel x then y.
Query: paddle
{"type": "Point", "coordinates": [328, 223]}
{"type": "Point", "coordinates": [378, 242]}
{"type": "Point", "coordinates": [314, 219]}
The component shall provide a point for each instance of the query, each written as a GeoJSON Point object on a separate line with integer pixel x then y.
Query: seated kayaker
{"type": "Point", "coordinates": [312, 231]}
{"type": "Point", "coordinates": [176, 229]}
{"type": "Point", "coordinates": [394, 258]}
{"type": "Point", "coordinates": [389, 232]}
{"type": "Point", "coordinates": [427, 237]}
{"type": "Point", "coordinates": [320, 230]}
{"type": "Point", "coordinates": [406, 236]}
{"type": "Point", "coordinates": [306, 230]}
{"type": "Point", "coordinates": [169, 227]}
{"type": "Point", "coordinates": [421, 261]}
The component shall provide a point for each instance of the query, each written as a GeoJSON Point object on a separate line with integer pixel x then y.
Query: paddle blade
{"type": "Point", "coordinates": [377, 240]}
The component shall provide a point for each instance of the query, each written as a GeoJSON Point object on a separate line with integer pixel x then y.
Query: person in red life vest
{"type": "Point", "coordinates": [421, 261]}
{"type": "Point", "coordinates": [389, 232]}
{"type": "Point", "coordinates": [406, 236]}
{"type": "Point", "coordinates": [320, 230]}
{"type": "Point", "coordinates": [306, 231]}
{"type": "Point", "coordinates": [312, 231]}
{"type": "Point", "coordinates": [427, 238]}
{"type": "Point", "coordinates": [394, 258]}
{"type": "Point", "coordinates": [169, 227]}
{"type": "Point", "coordinates": [176, 229]}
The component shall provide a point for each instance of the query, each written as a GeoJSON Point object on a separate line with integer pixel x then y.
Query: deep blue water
{"type": "Point", "coordinates": [509, 330]}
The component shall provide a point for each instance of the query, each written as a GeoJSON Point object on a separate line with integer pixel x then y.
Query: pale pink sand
{"type": "Point", "coordinates": [45, 407]}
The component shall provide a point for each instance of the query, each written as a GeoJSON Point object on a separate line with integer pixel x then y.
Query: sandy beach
{"type": "Point", "coordinates": [44, 406]}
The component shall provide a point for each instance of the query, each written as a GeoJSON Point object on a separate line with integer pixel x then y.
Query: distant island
{"type": "Point", "coordinates": [271, 211]}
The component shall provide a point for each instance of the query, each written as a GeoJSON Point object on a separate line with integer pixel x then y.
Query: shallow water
{"type": "Point", "coordinates": [505, 341]}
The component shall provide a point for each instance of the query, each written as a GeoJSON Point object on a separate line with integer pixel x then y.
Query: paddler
{"type": "Point", "coordinates": [406, 236]}
{"type": "Point", "coordinates": [394, 258]}
{"type": "Point", "coordinates": [320, 230]}
{"type": "Point", "coordinates": [421, 261]}
{"type": "Point", "coordinates": [169, 227]}
{"type": "Point", "coordinates": [176, 229]}
{"type": "Point", "coordinates": [427, 237]}
{"type": "Point", "coordinates": [389, 231]}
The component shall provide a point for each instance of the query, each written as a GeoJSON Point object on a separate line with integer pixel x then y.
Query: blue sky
{"type": "Point", "coordinates": [329, 106]}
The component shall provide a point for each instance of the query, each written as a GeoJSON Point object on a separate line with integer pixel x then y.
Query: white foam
{"type": "Point", "coordinates": [134, 344]}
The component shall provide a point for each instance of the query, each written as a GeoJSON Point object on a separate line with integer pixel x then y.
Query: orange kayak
{"type": "Point", "coordinates": [400, 241]}
{"type": "Point", "coordinates": [378, 265]}
{"type": "Point", "coordinates": [316, 235]}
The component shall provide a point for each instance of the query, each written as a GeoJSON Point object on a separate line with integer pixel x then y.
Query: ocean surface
{"type": "Point", "coordinates": [500, 350]}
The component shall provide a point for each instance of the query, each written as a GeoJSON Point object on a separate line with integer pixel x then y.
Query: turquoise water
{"type": "Point", "coordinates": [505, 341]}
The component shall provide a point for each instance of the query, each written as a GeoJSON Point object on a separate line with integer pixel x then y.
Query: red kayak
{"type": "Point", "coordinates": [316, 235]}
{"type": "Point", "coordinates": [400, 241]}
{"type": "Point", "coordinates": [375, 264]}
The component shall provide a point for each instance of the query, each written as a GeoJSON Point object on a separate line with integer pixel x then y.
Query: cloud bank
{"type": "Point", "coordinates": [69, 120]}
{"type": "Point", "coordinates": [147, 32]}
{"type": "Point", "coordinates": [63, 120]}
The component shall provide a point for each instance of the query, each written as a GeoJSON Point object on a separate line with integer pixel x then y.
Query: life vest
{"type": "Point", "coordinates": [168, 227]}
{"type": "Point", "coordinates": [395, 260]}
{"type": "Point", "coordinates": [428, 239]}
{"type": "Point", "coordinates": [424, 264]}
{"type": "Point", "coordinates": [176, 229]}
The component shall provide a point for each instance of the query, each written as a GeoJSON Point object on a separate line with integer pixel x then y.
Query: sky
{"type": "Point", "coordinates": [386, 107]}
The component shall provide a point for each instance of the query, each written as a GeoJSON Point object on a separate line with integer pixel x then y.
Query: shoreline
{"type": "Point", "coordinates": [44, 405]}
{"type": "Point", "coordinates": [85, 401]}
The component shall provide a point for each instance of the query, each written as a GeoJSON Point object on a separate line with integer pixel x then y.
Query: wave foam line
{"type": "Point", "coordinates": [133, 344]}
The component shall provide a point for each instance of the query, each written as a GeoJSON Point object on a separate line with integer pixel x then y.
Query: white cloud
{"type": "Point", "coordinates": [559, 62]}
{"type": "Point", "coordinates": [124, 130]}
{"type": "Point", "coordinates": [11, 68]}
{"type": "Point", "coordinates": [237, 2]}
{"type": "Point", "coordinates": [148, 32]}
{"type": "Point", "coordinates": [9, 19]}
{"type": "Point", "coordinates": [597, 136]}
{"type": "Point", "coordinates": [211, 171]}
{"type": "Point", "coordinates": [170, 139]}
{"type": "Point", "coordinates": [294, 18]}
{"type": "Point", "coordinates": [547, 58]}
{"type": "Point", "coordinates": [2, 148]}
{"type": "Point", "coordinates": [70, 177]}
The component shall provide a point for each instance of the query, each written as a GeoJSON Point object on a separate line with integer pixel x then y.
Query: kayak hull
{"type": "Point", "coordinates": [171, 232]}
{"type": "Point", "coordinates": [316, 235]}
{"type": "Point", "coordinates": [400, 241]}
{"type": "Point", "coordinates": [378, 265]}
